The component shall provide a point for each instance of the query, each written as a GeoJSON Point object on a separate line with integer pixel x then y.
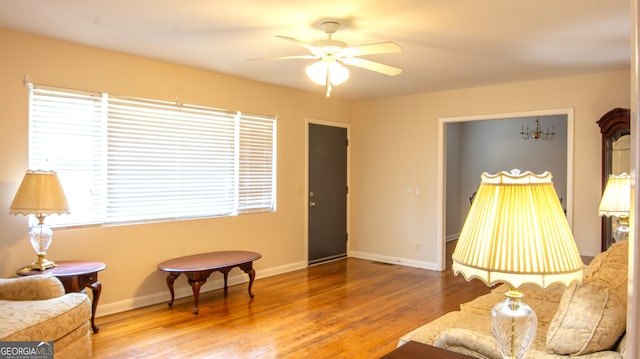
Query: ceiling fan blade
{"type": "Point", "coordinates": [371, 49]}
{"type": "Point", "coordinates": [285, 57]}
{"type": "Point", "coordinates": [373, 66]}
{"type": "Point", "coordinates": [314, 50]}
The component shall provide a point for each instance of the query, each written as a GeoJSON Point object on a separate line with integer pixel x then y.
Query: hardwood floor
{"type": "Point", "coordinates": [349, 308]}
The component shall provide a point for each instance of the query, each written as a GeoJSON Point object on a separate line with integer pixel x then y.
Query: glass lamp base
{"type": "Point", "coordinates": [514, 325]}
{"type": "Point", "coordinates": [40, 236]}
{"type": "Point", "coordinates": [40, 264]}
{"type": "Point", "coordinates": [621, 233]}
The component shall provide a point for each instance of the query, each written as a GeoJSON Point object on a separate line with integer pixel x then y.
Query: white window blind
{"type": "Point", "coordinates": [66, 134]}
{"type": "Point", "coordinates": [151, 160]}
{"type": "Point", "coordinates": [256, 165]}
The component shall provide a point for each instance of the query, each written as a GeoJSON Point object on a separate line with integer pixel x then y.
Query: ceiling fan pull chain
{"type": "Point", "coordinates": [329, 84]}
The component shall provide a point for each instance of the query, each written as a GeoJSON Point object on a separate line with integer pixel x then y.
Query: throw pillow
{"type": "Point", "coordinates": [592, 316]}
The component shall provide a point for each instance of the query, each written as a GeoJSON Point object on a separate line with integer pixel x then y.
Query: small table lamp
{"type": "Point", "coordinates": [616, 201]}
{"type": "Point", "coordinates": [40, 194]}
{"type": "Point", "coordinates": [516, 232]}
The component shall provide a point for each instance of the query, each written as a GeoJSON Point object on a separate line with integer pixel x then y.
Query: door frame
{"type": "Point", "coordinates": [305, 193]}
{"type": "Point", "coordinates": [442, 194]}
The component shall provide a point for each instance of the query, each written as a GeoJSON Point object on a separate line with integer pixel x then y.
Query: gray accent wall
{"type": "Point", "coordinates": [474, 147]}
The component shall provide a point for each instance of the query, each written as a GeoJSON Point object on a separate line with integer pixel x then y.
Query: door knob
{"type": "Point", "coordinates": [312, 204]}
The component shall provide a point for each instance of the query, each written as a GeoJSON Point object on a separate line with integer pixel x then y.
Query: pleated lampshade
{"type": "Point", "coordinates": [516, 232]}
{"type": "Point", "coordinates": [616, 198]}
{"type": "Point", "coordinates": [40, 193]}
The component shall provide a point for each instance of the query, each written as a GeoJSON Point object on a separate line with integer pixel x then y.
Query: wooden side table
{"type": "Point", "coordinates": [76, 276]}
{"type": "Point", "coordinates": [419, 350]}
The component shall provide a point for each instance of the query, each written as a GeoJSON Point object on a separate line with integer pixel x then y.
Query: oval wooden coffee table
{"type": "Point", "coordinates": [198, 267]}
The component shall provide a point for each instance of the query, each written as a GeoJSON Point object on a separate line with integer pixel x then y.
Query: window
{"type": "Point", "coordinates": [123, 159]}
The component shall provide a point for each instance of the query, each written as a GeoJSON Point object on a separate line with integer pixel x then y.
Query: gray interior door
{"type": "Point", "coordinates": [327, 193]}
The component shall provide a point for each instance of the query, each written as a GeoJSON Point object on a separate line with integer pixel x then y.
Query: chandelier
{"type": "Point", "coordinates": [537, 133]}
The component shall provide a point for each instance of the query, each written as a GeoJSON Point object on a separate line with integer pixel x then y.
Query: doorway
{"type": "Point", "coordinates": [327, 191]}
{"type": "Point", "coordinates": [463, 202]}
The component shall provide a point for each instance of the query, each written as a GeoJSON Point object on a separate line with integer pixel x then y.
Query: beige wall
{"type": "Point", "coordinates": [394, 146]}
{"type": "Point", "coordinates": [395, 151]}
{"type": "Point", "coordinates": [133, 251]}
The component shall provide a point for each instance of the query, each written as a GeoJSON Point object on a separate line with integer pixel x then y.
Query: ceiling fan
{"type": "Point", "coordinates": [329, 71]}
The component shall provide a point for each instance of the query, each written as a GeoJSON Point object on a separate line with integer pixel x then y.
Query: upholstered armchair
{"type": "Point", "coordinates": [36, 308]}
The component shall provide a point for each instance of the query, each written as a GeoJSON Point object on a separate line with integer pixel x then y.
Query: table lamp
{"type": "Point", "coordinates": [615, 202]}
{"type": "Point", "coordinates": [40, 194]}
{"type": "Point", "coordinates": [516, 232]}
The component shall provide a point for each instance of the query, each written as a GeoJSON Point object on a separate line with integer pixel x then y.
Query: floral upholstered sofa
{"type": "Point", "coordinates": [587, 319]}
{"type": "Point", "coordinates": [36, 308]}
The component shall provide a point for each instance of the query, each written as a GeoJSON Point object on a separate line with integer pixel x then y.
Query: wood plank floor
{"type": "Point", "coordinates": [350, 308]}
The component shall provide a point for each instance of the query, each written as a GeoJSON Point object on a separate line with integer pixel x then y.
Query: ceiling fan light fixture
{"type": "Point", "coordinates": [330, 71]}
{"type": "Point", "coordinates": [319, 71]}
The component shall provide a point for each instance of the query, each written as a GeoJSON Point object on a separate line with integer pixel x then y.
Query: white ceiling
{"type": "Point", "coordinates": [447, 44]}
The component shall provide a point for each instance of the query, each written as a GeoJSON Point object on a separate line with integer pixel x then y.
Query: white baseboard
{"type": "Point", "coordinates": [394, 260]}
{"type": "Point", "coordinates": [214, 283]}
{"type": "Point", "coordinates": [452, 237]}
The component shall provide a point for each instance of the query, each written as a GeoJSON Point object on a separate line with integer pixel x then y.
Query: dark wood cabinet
{"type": "Point", "coordinates": [614, 125]}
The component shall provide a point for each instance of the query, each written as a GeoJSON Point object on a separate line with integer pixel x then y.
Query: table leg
{"type": "Point", "coordinates": [248, 268]}
{"type": "Point", "coordinates": [170, 279]}
{"type": "Point", "coordinates": [225, 274]}
{"type": "Point", "coordinates": [195, 287]}
{"type": "Point", "coordinates": [196, 280]}
{"type": "Point", "coordinates": [96, 289]}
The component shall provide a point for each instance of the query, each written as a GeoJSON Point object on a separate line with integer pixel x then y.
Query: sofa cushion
{"type": "Point", "coordinates": [468, 343]}
{"type": "Point", "coordinates": [545, 309]}
{"type": "Point", "coordinates": [428, 332]}
{"type": "Point", "coordinates": [43, 320]}
{"type": "Point", "coordinates": [552, 293]}
{"type": "Point", "coordinates": [484, 346]}
{"type": "Point", "coordinates": [591, 316]}
{"type": "Point", "coordinates": [609, 268]}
